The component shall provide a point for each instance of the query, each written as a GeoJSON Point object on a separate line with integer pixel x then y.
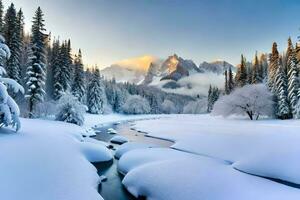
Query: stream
{"type": "Point", "coordinates": [112, 188]}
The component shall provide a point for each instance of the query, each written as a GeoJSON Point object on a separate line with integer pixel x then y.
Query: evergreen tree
{"type": "Point", "coordinates": [36, 74]}
{"type": "Point", "coordinates": [241, 75]}
{"type": "Point", "coordinates": [213, 96]}
{"type": "Point", "coordinates": [263, 62]}
{"type": "Point", "coordinates": [12, 35]}
{"type": "Point", "coordinates": [256, 74]}
{"type": "Point", "coordinates": [293, 78]}
{"type": "Point", "coordinates": [78, 87]}
{"type": "Point", "coordinates": [57, 71]}
{"type": "Point", "coordinates": [273, 68]}
{"type": "Point", "coordinates": [280, 81]}
{"type": "Point", "coordinates": [230, 80]}
{"type": "Point", "coordinates": [1, 17]}
{"type": "Point", "coordinates": [226, 82]}
{"type": "Point", "coordinates": [96, 98]}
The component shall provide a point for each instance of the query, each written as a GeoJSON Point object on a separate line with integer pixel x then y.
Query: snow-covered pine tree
{"type": "Point", "coordinates": [209, 99]}
{"type": "Point", "coordinates": [293, 78]}
{"type": "Point", "coordinates": [12, 36]}
{"type": "Point", "coordinates": [241, 75]}
{"type": "Point", "coordinates": [230, 80]}
{"type": "Point", "coordinates": [226, 82]}
{"type": "Point", "coordinates": [57, 70]}
{"type": "Point", "coordinates": [36, 74]}
{"type": "Point", "coordinates": [256, 71]}
{"type": "Point", "coordinates": [263, 62]}
{"type": "Point", "coordinates": [9, 110]}
{"type": "Point", "coordinates": [78, 87]}
{"type": "Point", "coordinates": [65, 65]}
{"type": "Point", "coordinates": [1, 17]}
{"type": "Point", "coordinates": [96, 98]}
{"type": "Point", "coordinates": [273, 68]}
{"type": "Point", "coordinates": [282, 110]}
{"type": "Point", "coordinates": [213, 96]}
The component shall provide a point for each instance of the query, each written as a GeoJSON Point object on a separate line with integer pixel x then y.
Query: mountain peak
{"type": "Point", "coordinates": [141, 63]}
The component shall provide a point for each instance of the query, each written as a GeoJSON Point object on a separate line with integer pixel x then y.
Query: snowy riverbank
{"type": "Point", "coordinates": [49, 160]}
{"type": "Point", "coordinates": [221, 149]}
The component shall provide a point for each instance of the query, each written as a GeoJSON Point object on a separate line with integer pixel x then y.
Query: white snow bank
{"type": "Point", "coordinates": [131, 146]}
{"type": "Point", "coordinates": [166, 174]}
{"type": "Point", "coordinates": [119, 139]}
{"type": "Point", "coordinates": [45, 161]}
{"type": "Point", "coordinates": [267, 147]}
{"type": "Point", "coordinates": [137, 157]}
{"type": "Point", "coordinates": [95, 152]}
{"type": "Point", "coordinates": [94, 120]}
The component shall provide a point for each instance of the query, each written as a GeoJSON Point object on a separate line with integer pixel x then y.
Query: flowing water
{"type": "Point", "coordinates": [112, 188]}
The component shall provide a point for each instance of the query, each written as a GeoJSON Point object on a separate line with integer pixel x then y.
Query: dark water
{"type": "Point", "coordinates": [112, 188]}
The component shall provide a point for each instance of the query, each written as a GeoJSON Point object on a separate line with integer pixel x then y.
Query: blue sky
{"type": "Point", "coordinates": [202, 30]}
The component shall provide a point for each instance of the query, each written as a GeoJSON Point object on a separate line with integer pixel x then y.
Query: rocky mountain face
{"type": "Point", "coordinates": [217, 67]}
{"type": "Point", "coordinates": [173, 68]}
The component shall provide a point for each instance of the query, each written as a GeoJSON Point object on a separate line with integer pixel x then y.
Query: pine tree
{"type": "Point", "coordinates": [78, 87]}
{"type": "Point", "coordinates": [280, 81]}
{"type": "Point", "coordinates": [273, 68]}
{"type": "Point", "coordinates": [12, 36]}
{"type": "Point", "coordinates": [226, 82]}
{"type": "Point", "coordinates": [96, 98]}
{"type": "Point", "coordinates": [263, 62]}
{"type": "Point", "coordinates": [230, 80]}
{"type": "Point", "coordinates": [57, 71]}
{"type": "Point", "coordinates": [241, 75]}
{"type": "Point", "coordinates": [293, 78]}
{"type": "Point", "coordinates": [1, 17]}
{"type": "Point", "coordinates": [256, 75]}
{"type": "Point", "coordinates": [36, 74]}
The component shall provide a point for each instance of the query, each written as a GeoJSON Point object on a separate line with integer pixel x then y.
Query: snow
{"type": "Point", "coordinates": [49, 160]}
{"type": "Point", "coordinates": [119, 139]}
{"type": "Point", "coordinates": [161, 174]}
{"type": "Point", "coordinates": [112, 131]}
{"type": "Point", "coordinates": [131, 146]}
{"type": "Point", "coordinates": [216, 153]}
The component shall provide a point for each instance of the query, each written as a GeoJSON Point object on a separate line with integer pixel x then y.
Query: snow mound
{"type": "Point", "coordinates": [131, 146]}
{"type": "Point", "coordinates": [119, 139]}
{"type": "Point", "coordinates": [112, 131]}
{"type": "Point", "coordinates": [95, 152]}
{"type": "Point", "coordinates": [160, 174]}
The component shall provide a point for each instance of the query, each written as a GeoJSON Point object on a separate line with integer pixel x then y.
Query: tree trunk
{"type": "Point", "coordinates": [250, 115]}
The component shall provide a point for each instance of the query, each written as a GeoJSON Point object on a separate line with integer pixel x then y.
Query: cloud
{"type": "Point", "coordinates": [196, 84]}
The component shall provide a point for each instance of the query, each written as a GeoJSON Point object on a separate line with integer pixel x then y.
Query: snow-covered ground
{"type": "Point", "coordinates": [213, 153]}
{"type": "Point", "coordinates": [49, 160]}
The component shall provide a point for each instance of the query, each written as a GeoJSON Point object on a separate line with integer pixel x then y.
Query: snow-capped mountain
{"type": "Point", "coordinates": [217, 67]}
{"type": "Point", "coordinates": [173, 68]}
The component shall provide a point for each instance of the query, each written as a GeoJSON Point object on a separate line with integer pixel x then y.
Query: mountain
{"type": "Point", "coordinates": [173, 68]}
{"type": "Point", "coordinates": [131, 70]}
{"type": "Point", "coordinates": [217, 67]}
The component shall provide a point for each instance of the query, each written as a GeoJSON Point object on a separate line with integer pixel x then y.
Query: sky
{"type": "Point", "coordinates": [108, 31]}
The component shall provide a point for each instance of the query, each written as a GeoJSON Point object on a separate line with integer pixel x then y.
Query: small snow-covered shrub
{"type": "Point", "coordinates": [251, 100]}
{"type": "Point", "coordinates": [196, 107]}
{"type": "Point", "coordinates": [136, 104]}
{"type": "Point", "coordinates": [169, 107]}
{"type": "Point", "coordinates": [70, 110]}
{"type": "Point", "coordinates": [9, 110]}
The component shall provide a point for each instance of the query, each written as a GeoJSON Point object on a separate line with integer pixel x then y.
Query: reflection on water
{"type": "Point", "coordinates": [112, 188]}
